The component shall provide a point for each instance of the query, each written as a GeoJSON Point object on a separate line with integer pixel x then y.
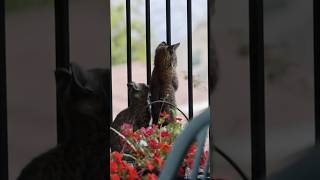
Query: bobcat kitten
{"type": "Point", "coordinates": [82, 156]}
{"type": "Point", "coordinates": [164, 80]}
{"type": "Point", "coordinates": [137, 114]}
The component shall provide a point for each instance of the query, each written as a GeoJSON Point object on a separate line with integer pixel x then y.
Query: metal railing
{"type": "Point", "coordinates": [3, 97]}
{"type": "Point", "coordinates": [256, 72]}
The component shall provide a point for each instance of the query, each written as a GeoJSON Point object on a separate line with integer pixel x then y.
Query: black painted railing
{"type": "Point", "coordinates": [3, 97]}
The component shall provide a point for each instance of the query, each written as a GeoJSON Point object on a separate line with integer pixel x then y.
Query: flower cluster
{"type": "Point", "coordinates": [119, 168]}
{"type": "Point", "coordinates": [148, 149]}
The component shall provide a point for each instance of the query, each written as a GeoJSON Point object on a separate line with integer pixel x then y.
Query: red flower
{"type": "Point", "coordinates": [113, 166]}
{"type": "Point", "coordinates": [154, 126]}
{"type": "Point", "coordinates": [126, 126]}
{"type": "Point", "coordinates": [149, 165]}
{"type": "Point", "coordinates": [178, 118]}
{"type": "Point", "coordinates": [152, 176]}
{"type": "Point", "coordinates": [117, 156]}
{"type": "Point", "coordinates": [192, 149]}
{"type": "Point", "coordinates": [133, 175]}
{"type": "Point", "coordinates": [165, 147]}
{"type": "Point", "coordinates": [149, 131]}
{"type": "Point", "coordinates": [115, 177]}
{"type": "Point", "coordinates": [206, 154]}
{"type": "Point", "coordinates": [202, 163]}
{"type": "Point", "coordinates": [190, 163]}
{"type": "Point", "coordinates": [136, 136]}
{"type": "Point", "coordinates": [153, 143]}
{"type": "Point", "coordinates": [164, 114]}
{"type": "Point", "coordinates": [164, 133]}
{"type": "Point", "coordinates": [181, 170]}
{"type": "Point", "coordinates": [126, 129]}
{"type": "Point", "coordinates": [159, 161]}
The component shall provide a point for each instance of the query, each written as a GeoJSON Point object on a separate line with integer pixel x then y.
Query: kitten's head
{"type": "Point", "coordinates": [138, 93]}
{"type": "Point", "coordinates": [139, 98]}
{"type": "Point", "coordinates": [84, 103]}
{"type": "Point", "coordinates": [166, 56]}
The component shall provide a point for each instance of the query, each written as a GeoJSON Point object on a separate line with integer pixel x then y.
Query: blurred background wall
{"type": "Point", "coordinates": [31, 64]}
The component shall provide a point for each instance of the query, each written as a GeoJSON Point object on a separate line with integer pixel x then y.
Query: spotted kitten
{"type": "Point", "coordinates": [82, 156]}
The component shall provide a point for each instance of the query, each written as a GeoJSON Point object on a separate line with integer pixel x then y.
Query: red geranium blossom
{"type": "Point", "coordinates": [152, 176]}
{"type": "Point", "coordinates": [113, 166]}
{"type": "Point", "coordinates": [165, 147]}
{"type": "Point", "coordinates": [149, 165]}
{"type": "Point", "coordinates": [164, 133]}
{"type": "Point", "coordinates": [117, 156]}
{"type": "Point", "coordinates": [115, 177]}
{"type": "Point", "coordinates": [149, 149]}
{"type": "Point", "coordinates": [153, 143]}
{"type": "Point", "coordinates": [164, 114]}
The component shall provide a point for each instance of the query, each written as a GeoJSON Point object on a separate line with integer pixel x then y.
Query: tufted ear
{"type": "Point", "coordinates": [132, 85]}
{"type": "Point", "coordinates": [174, 47]}
{"type": "Point", "coordinates": [63, 78]}
{"type": "Point", "coordinates": [80, 78]}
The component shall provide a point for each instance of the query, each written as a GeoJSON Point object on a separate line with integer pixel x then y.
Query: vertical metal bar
{"type": "Point", "coordinates": [109, 66]}
{"type": "Point", "coordinates": [129, 57]}
{"type": "Point", "coordinates": [168, 20]}
{"type": "Point", "coordinates": [258, 142]}
{"type": "Point", "coordinates": [316, 31]}
{"type": "Point", "coordinates": [212, 76]}
{"type": "Point", "coordinates": [3, 97]}
{"type": "Point", "coordinates": [190, 79]}
{"type": "Point", "coordinates": [62, 53]}
{"type": "Point", "coordinates": [148, 41]}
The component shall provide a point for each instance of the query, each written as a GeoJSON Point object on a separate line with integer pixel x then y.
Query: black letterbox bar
{"type": "Point", "coordinates": [316, 26]}
{"type": "Point", "coordinates": [62, 52]}
{"type": "Point", "coordinates": [148, 41]}
{"type": "Point", "coordinates": [190, 79]}
{"type": "Point", "coordinates": [258, 151]}
{"type": "Point", "coordinates": [3, 97]}
{"type": "Point", "coordinates": [129, 57]}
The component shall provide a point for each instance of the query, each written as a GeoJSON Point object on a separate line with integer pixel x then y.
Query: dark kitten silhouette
{"type": "Point", "coordinates": [83, 155]}
{"type": "Point", "coordinates": [137, 113]}
{"type": "Point", "coordinates": [164, 80]}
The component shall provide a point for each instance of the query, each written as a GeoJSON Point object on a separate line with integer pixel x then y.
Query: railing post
{"type": "Point", "coordinates": [168, 21]}
{"type": "Point", "coordinates": [316, 32]}
{"type": "Point", "coordinates": [3, 97]}
{"type": "Point", "coordinates": [148, 41]}
{"type": "Point", "coordinates": [212, 78]}
{"type": "Point", "coordinates": [129, 56]}
{"type": "Point", "coordinates": [258, 142]}
{"type": "Point", "coordinates": [109, 65]}
{"type": "Point", "coordinates": [62, 54]}
{"type": "Point", "coordinates": [190, 78]}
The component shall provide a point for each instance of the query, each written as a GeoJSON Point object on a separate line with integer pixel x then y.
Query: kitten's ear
{"type": "Point", "coordinates": [174, 47]}
{"type": "Point", "coordinates": [132, 85]}
{"type": "Point", "coordinates": [79, 78]}
{"type": "Point", "coordinates": [63, 78]}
